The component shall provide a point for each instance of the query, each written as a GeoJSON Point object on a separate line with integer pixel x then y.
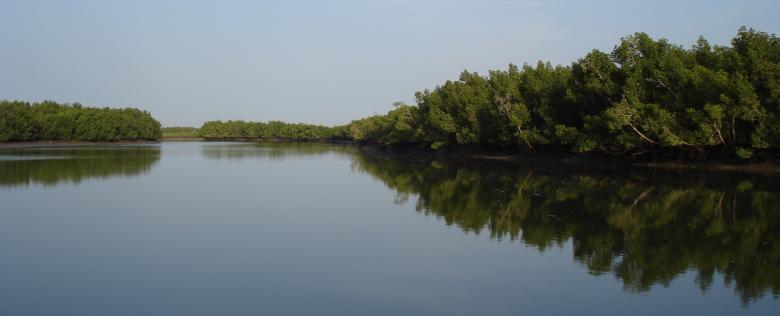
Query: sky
{"type": "Point", "coordinates": [321, 62]}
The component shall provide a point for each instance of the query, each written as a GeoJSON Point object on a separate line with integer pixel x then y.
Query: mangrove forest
{"type": "Point", "coordinates": [646, 95]}
{"type": "Point", "coordinates": [48, 120]}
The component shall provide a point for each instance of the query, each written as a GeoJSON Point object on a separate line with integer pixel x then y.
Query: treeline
{"type": "Point", "coordinates": [272, 129]}
{"type": "Point", "coordinates": [646, 95]}
{"type": "Point", "coordinates": [180, 132]}
{"type": "Point", "coordinates": [48, 120]}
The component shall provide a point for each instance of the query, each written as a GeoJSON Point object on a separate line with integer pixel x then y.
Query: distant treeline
{"type": "Point", "coordinates": [272, 129]}
{"type": "Point", "coordinates": [644, 96]}
{"type": "Point", "coordinates": [180, 132]}
{"type": "Point", "coordinates": [22, 121]}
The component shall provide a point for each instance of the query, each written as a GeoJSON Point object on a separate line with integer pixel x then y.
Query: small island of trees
{"type": "Point", "coordinates": [48, 120]}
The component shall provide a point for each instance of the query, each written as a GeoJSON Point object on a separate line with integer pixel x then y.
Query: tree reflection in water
{"type": "Point", "coordinates": [646, 229]}
{"type": "Point", "coordinates": [51, 166]}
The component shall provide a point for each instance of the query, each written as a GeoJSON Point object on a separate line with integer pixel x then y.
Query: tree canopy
{"type": "Point", "coordinates": [48, 120]}
{"type": "Point", "coordinates": [645, 95]}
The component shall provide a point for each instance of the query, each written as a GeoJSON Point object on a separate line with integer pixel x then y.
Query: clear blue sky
{"type": "Point", "coordinates": [324, 62]}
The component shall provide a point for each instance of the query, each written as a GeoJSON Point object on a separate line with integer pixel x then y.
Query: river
{"type": "Point", "coordinates": [207, 228]}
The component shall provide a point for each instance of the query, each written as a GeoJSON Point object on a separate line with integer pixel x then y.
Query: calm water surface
{"type": "Point", "coordinates": [254, 229]}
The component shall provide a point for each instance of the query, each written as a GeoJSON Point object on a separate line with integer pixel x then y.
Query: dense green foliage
{"type": "Point", "coordinates": [22, 121]}
{"type": "Point", "coordinates": [646, 95]}
{"type": "Point", "coordinates": [180, 132]}
{"type": "Point", "coordinates": [272, 129]}
{"type": "Point", "coordinates": [647, 229]}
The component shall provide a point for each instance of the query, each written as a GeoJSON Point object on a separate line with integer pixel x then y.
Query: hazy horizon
{"type": "Point", "coordinates": [306, 61]}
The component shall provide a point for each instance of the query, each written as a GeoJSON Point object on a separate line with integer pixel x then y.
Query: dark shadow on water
{"type": "Point", "coordinates": [646, 228]}
{"type": "Point", "coordinates": [51, 166]}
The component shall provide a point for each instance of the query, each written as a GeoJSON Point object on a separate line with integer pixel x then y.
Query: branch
{"type": "Point", "coordinates": [717, 131]}
{"type": "Point", "coordinates": [640, 134]}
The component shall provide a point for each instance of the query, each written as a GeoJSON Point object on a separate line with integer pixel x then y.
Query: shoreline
{"type": "Point", "coordinates": [70, 143]}
{"type": "Point", "coordinates": [592, 161]}
{"type": "Point", "coordinates": [256, 140]}
{"type": "Point", "coordinates": [182, 139]}
{"type": "Point", "coordinates": [76, 143]}
{"type": "Point", "coordinates": [588, 161]}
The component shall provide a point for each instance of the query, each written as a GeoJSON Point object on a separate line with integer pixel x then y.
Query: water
{"type": "Point", "coordinates": [251, 229]}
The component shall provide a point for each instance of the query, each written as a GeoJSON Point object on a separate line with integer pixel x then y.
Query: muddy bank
{"type": "Point", "coordinates": [59, 143]}
{"type": "Point", "coordinates": [258, 140]}
{"type": "Point", "coordinates": [182, 139]}
{"type": "Point", "coordinates": [556, 158]}
{"type": "Point", "coordinates": [66, 143]}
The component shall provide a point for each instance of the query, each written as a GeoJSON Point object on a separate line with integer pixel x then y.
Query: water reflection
{"type": "Point", "coordinates": [50, 166]}
{"type": "Point", "coordinates": [646, 229]}
{"type": "Point", "coordinates": [274, 150]}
